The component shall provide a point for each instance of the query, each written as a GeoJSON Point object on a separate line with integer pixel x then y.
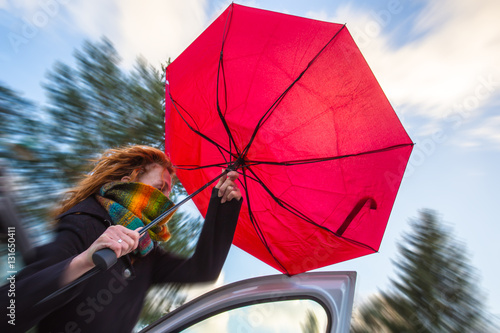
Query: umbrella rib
{"type": "Point", "coordinates": [219, 111]}
{"type": "Point", "coordinates": [324, 159]}
{"type": "Point", "coordinates": [256, 226]}
{"type": "Point", "coordinates": [288, 206]}
{"type": "Point", "coordinates": [358, 243]}
{"type": "Point", "coordinates": [221, 165]}
{"type": "Point", "coordinates": [224, 156]}
{"type": "Point", "coordinates": [174, 103]}
{"type": "Point", "coordinates": [220, 70]}
{"type": "Point", "coordinates": [198, 167]}
{"type": "Point", "coordinates": [273, 107]}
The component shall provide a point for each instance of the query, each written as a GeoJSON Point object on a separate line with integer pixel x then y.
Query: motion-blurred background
{"type": "Point", "coordinates": [77, 77]}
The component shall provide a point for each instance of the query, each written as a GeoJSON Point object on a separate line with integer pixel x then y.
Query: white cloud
{"type": "Point", "coordinates": [453, 47]}
{"type": "Point", "coordinates": [35, 13]}
{"type": "Point", "coordinates": [155, 29]}
{"type": "Point", "coordinates": [447, 67]}
{"type": "Point", "coordinates": [95, 20]}
{"type": "Point", "coordinates": [20, 6]}
{"type": "Point", "coordinates": [486, 135]}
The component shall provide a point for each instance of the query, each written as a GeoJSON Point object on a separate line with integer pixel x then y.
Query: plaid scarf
{"type": "Point", "coordinates": [134, 205]}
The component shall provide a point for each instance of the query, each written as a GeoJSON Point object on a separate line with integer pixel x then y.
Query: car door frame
{"type": "Point", "coordinates": [334, 291]}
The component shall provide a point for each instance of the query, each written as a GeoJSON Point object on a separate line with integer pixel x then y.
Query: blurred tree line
{"type": "Point", "coordinates": [436, 289]}
{"type": "Point", "coordinates": [91, 106]}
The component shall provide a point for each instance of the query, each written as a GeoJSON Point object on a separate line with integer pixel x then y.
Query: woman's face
{"type": "Point", "coordinates": [158, 177]}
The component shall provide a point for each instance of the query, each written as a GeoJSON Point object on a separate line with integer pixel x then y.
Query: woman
{"type": "Point", "coordinates": [127, 188]}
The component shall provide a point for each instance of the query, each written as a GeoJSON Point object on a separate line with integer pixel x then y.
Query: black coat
{"type": "Point", "coordinates": [110, 301]}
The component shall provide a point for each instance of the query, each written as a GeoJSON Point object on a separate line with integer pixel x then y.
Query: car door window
{"type": "Point", "coordinates": [290, 316]}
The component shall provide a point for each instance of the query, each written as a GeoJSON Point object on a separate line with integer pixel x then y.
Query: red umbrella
{"type": "Point", "coordinates": [322, 152]}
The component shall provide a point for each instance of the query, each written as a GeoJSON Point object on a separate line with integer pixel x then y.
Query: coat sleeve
{"type": "Point", "coordinates": [211, 251]}
{"type": "Point", "coordinates": [43, 276]}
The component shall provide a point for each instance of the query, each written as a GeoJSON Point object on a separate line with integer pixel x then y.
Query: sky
{"type": "Point", "coordinates": [437, 62]}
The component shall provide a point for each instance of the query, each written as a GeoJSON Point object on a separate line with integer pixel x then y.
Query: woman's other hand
{"type": "Point", "coordinates": [228, 189]}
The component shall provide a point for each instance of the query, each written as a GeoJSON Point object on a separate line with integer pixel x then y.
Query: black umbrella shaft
{"type": "Point", "coordinates": [106, 258]}
{"type": "Point", "coordinates": [182, 202]}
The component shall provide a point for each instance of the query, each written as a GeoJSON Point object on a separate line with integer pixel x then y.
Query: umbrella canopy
{"type": "Point", "coordinates": [322, 152]}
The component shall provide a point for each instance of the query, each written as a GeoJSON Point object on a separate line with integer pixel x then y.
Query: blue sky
{"type": "Point", "coordinates": [437, 62]}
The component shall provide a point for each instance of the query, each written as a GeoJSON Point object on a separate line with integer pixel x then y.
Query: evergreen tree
{"type": "Point", "coordinates": [97, 105]}
{"type": "Point", "coordinates": [378, 315]}
{"type": "Point", "coordinates": [436, 288]}
{"type": "Point", "coordinates": [14, 118]}
{"type": "Point", "coordinates": [21, 142]}
{"type": "Point", "coordinates": [92, 106]}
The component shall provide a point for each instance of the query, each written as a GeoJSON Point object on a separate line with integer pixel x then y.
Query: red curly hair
{"type": "Point", "coordinates": [113, 165]}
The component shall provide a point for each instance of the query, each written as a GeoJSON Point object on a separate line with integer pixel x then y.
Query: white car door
{"type": "Point", "coordinates": [305, 303]}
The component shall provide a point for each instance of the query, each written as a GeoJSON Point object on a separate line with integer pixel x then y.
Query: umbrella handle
{"type": "Point", "coordinates": [104, 259]}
